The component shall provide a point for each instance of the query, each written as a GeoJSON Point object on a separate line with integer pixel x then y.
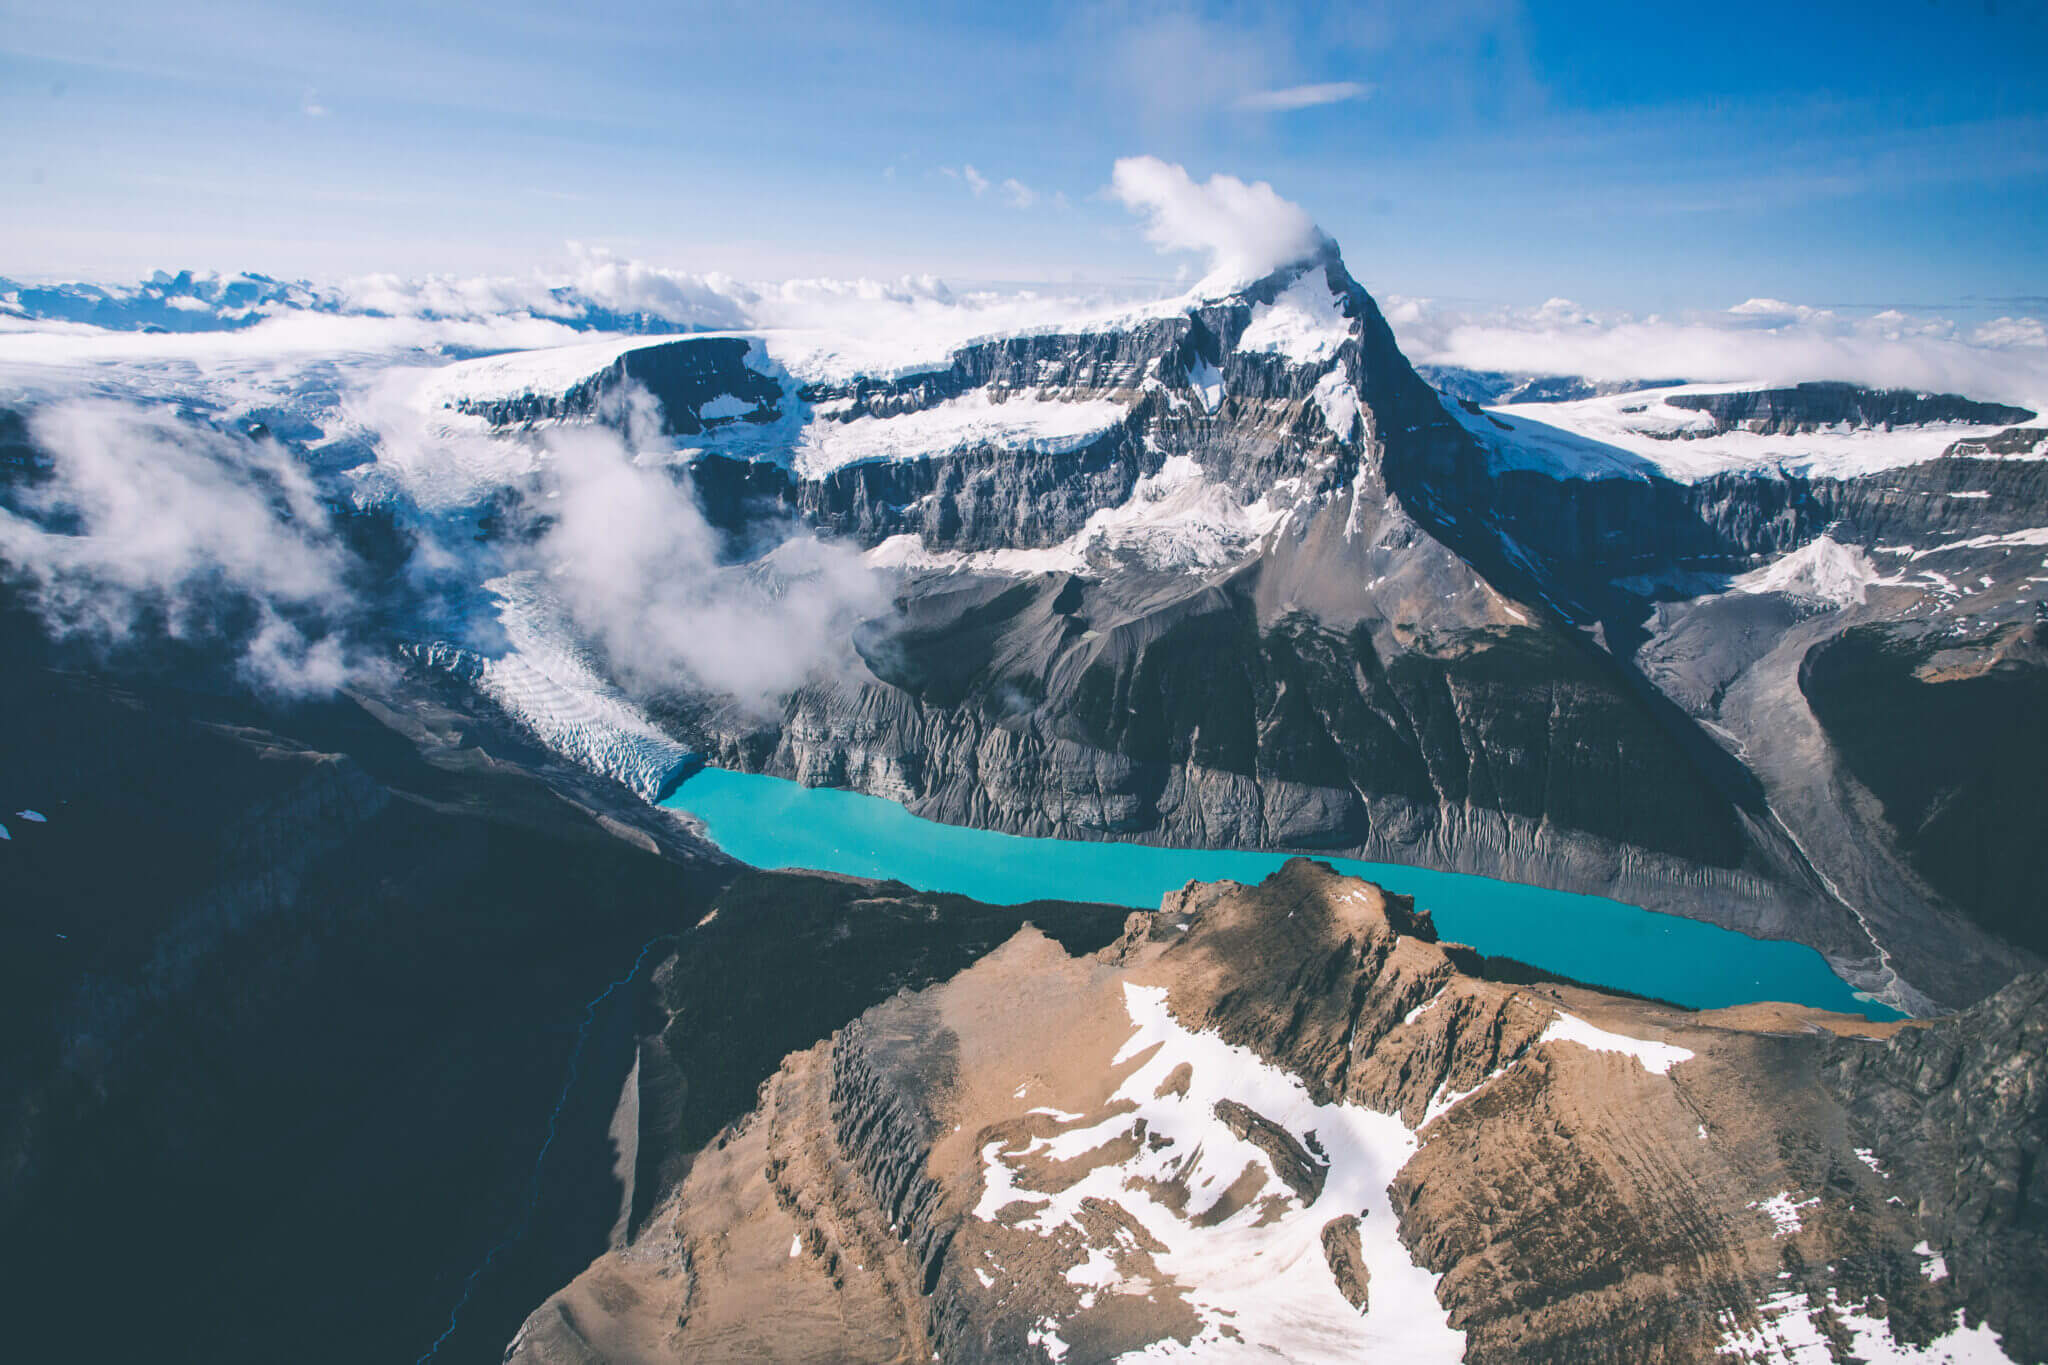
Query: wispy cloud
{"type": "Point", "coordinates": [310, 105]}
{"type": "Point", "coordinates": [1300, 97]}
{"type": "Point", "coordinates": [1015, 192]}
{"type": "Point", "coordinates": [1760, 339]}
{"type": "Point", "coordinates": [1245, 230]}
{"type": "Point", "coordinates": [638, 567]}
{"type": "Point", "coordinates": [152, 527]}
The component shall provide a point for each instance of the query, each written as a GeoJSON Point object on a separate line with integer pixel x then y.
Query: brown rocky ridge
{"type": "Point", "coordinates": [1284, 1120]}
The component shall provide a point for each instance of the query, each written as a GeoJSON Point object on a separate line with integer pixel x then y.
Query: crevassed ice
{"type": "Point", "coordinates": [1822, 570]}
{"type": "Point", "coordinates": [543, 683]}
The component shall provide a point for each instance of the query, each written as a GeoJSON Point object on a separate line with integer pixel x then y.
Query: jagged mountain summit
{"type": "Point", "coordinates": [1284, 1121]}
{"type": "Point", "coordinates": [1225, 571]}
{"type": "Point", "coordinates": [432, 604]}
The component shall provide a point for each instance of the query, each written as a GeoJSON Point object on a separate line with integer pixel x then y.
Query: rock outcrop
{"type": "Point", "coordinates": [1286, 1118]}
{"type": "Point", "coordinates": [1960, 1110]}
{"type": "Point", "coordinates": [1813, 406]}
{"type": "Point", "coordinates": [1277, 594]}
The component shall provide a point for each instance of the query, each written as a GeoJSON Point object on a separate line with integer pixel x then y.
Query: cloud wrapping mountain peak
{"type": "Point", "coordinates": [1245, 230]}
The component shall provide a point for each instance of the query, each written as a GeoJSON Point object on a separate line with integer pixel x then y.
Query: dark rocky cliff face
{"type": "Point", "coordinates": [290, 1006]}
{"type": "Point", "coordinates": [682, 376]}
{"type": "Point", "coordinates": [1587, 531]}
{"type": "Point", "coordinates": [1419, 655]}
{"type": "Point", "coordinates": [1809, 407]}
{"type": "Point", "coordinates": [1960, 1110]}
{"type": "Point", "coordinates": [1954, 758]}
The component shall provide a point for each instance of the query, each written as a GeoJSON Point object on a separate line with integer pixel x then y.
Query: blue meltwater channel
{"type": "Point", "coordinates": [772, 823]}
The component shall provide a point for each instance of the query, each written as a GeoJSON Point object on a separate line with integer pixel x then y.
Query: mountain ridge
{"type": "Point", "coordinates": [898, 1192]}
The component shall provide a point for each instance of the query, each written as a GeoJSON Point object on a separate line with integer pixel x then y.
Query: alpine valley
{"type": "Point", "coordinates": [370, 988]}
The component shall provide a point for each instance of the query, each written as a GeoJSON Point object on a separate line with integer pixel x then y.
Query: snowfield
{"type": "Point", "coordinates": [1258, 1279]}
{"type": "Point", "coordinates": [1655, 1058]}
{"type": "Point", "coordinates": [547, 373]}
{"type": "Point", "coordinates": [1306, 323]}
{"type": "Point", "coordinates": [1023, 422]}
{"type": "Point", "coordinates": [1639, 434]}
{"type": "Point", "coordinates": [1788, 1331]}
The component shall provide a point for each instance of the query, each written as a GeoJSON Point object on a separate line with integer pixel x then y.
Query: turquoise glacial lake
{"type": "Point", "coordinates": [772, 823]}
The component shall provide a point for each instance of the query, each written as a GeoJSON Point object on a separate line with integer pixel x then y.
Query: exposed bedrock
{"type": "Point", "coordinates": [776, 963]}
{"type": "Point", "coordinates": [1414, 656]}
{"type": "Point", "coordinates": [1813, 406]}
{"type": "Point", "coordinates": [1582, 1178]}
{"type": "Point", "coordinates": [682, 376]}
{"type": "Point", "coordinates": [1960, 1110]}
{"type": "Point", "coordinates": [1589, 530]}
{"type": "Point", "coordinates": [1221, 713]}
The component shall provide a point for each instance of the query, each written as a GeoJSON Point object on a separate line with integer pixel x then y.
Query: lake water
{"type": "Point", "coordinates": [772, 823]}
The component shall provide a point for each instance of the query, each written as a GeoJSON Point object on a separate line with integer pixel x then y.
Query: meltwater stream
{"type": "Point", "coordinates": [772, 823]}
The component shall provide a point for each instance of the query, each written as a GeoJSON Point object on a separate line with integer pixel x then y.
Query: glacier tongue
{"type": "Point", "coordinates": [544, 683]}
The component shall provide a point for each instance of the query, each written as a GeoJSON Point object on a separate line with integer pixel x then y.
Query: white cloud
{"type": "Point", "coordinates": [976, 181]}
{"type": "Point", "coordinates": [2004, 332]}
{"type": "Point", "coordinates": [638, 568]}
{"type": "Point", "coordinates": [1768, 341]}
{"type": "Point", "coordinates": [1301, 97]}
{"type": "Point", "coordinates": [1019, 194]}
{"type": "Point", "coordinates": [1246, 230]}
{"type": "Point", "coordinates": [151, 526]}
{"type": "Point", "coordinates": [596, 278]}
{"type": "Point", "coordinates": [310, 106]}
{"type": "Point", "coordinates": [1765, 308]}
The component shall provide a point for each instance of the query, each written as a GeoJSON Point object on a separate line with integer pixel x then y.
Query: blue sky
{"type": "Point", "coordinates": [1642, 157]}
